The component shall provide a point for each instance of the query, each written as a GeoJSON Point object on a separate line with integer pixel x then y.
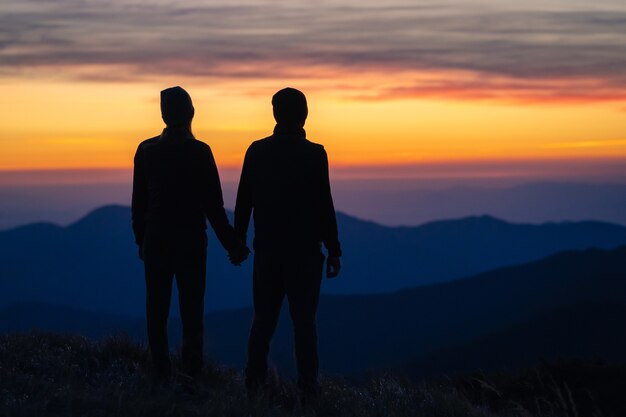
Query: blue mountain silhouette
{"type": "Point", "coordinates": [92, 264]}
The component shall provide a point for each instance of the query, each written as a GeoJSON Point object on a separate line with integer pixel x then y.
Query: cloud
{"type": "Point", "coordinates": [519, 89]}
{"type": "Point", "coordinates": [564, 51]}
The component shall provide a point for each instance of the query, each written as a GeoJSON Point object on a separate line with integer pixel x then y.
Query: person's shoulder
{"type": "Point", "coordinates": [199, 145]}
{"type": "Point", "coordinates": [259, 145]}
{"type": "Point", "coordinates": [147, 143]}
{"type": "Point", "coordinates": [315, 147]}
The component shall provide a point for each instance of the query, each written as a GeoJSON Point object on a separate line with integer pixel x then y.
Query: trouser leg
{"type": "Point", "coordinates": [191, 282]}
{"type": "Point", "coordinates": [303, 290]}
{"type": "Point", "coordinates": [268, 294]}
{"type": "Point", "coordinates": [158, 275]}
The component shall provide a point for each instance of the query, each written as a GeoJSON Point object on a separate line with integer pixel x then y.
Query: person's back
{"type": "Point", "coordinates": [288, 192]}
{"type": "Point", "coordinates": [177, 179]}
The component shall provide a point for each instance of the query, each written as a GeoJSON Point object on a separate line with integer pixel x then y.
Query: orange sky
{"type": "Point", "coordinates": [375, 98]}
{"type": "Point", "coordinates": [48, 124]}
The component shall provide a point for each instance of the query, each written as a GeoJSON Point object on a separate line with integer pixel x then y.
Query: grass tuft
{"type": "Point", "coordinates": [46, 374]}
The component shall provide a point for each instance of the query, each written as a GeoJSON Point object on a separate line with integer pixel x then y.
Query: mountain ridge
{"type": "Point", "coordinates": [93, 263]}
{"type": "Point", "coordinates": [105, 211]}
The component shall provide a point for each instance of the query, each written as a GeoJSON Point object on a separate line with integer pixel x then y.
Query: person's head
{"type": "Point", "coordinates": [290, 107]}
{"type": "Point", "coordinates": [176, 108]}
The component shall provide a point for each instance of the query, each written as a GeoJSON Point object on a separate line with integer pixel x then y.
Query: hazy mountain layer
{"type": "Point", "coordinates": [92, 264]}
{"type": "Point", "coordinates": [567, 305]}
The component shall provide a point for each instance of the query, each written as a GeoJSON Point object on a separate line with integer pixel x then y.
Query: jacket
{"type": "Point", "coordinates": [285, 186]}
{"type": "Point", "coordinates": [176, 185]}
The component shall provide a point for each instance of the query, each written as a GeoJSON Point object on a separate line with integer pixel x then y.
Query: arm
{"type": "Point", "coordinates": [214, 205]}
{"type": "Point", "coordinates": [139, 199]}
{"type": "Point", "coordinates": [330, 234]}
{"type": "Point", "coordinates": [243, 207]}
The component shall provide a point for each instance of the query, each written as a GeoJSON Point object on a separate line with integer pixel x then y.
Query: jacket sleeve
{"type": "Point", "coordinates": [140, 197]}
{"type": "Point", "coordinates": [330, 234]}
{"type": "Point", "coordinates": [243, 207]}
{"type": "Point", "coordinates": [214, 205]}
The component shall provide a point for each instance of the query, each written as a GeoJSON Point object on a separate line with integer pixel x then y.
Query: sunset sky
{"type": "Point", "coordinates": [394, 87]}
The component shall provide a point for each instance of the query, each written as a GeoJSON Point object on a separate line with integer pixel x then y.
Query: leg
{"type": "Point", "coordinates": [268, 294]}
{"type": "Point", "coordinates": [303, 291]}
{"type": "Point", "coordinates": [191, 282]}
{"type": "Point", "coordinates": [159, 275]}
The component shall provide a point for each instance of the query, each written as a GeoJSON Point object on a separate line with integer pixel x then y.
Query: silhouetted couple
{"type": "Point", "coordinates": [284, 186]}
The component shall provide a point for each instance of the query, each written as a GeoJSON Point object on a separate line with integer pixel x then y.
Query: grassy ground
{"type": "Point", "coordinates": [60, 375]}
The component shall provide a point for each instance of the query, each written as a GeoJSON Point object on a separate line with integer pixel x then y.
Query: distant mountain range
{"type": "Point", "coordinates": [390, 201]}
{"type": "Point", "coordinates": [571, 304]}
{"type": "Point", "coordinates": [406, 202]}
{"type": "Point", "coordinates": [92, 264]}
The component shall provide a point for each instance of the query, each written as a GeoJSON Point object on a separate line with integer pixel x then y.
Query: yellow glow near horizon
{"type": "Point", "coordinates": [60, 124]}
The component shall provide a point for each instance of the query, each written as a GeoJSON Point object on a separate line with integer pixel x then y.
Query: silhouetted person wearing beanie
{"type": "Point", "coordinates": [176, 187]}
{"type": "Point", "coordinates": [285, 186]}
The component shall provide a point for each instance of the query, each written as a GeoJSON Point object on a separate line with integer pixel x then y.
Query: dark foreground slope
{"type": "Point", "coordinates": [56, 375]}
{"type": "Point", "coordinates": [583, 330]}
{"type": "Point", "coordinates": [92, 264]}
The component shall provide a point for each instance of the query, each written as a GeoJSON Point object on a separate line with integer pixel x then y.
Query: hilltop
{"type": "Point", "coordinates": [63, 375]}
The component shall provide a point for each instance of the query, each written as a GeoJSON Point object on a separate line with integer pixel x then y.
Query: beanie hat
{"type": "Point", "coordinates": [176, 106]}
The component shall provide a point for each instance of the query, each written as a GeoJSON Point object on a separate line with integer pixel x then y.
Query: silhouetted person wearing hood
{"type": "Point", "coordinates": [176, 187]}
{"type": "Point", "coordinates": [285, 186]}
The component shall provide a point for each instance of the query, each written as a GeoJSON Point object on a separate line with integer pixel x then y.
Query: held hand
{"type": "Point", "coordinates": [333, 265]}
{"type": "Point", "coordinates": [237, 256]}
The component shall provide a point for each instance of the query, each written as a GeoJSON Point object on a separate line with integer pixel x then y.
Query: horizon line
{"type": "Point", "coordinates": [609, 169]}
